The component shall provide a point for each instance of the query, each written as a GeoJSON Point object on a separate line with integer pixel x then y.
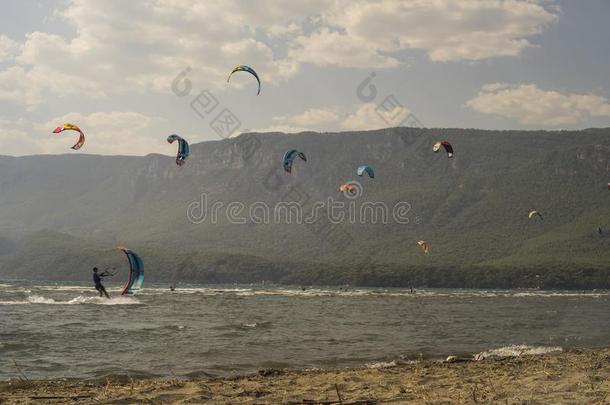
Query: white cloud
{"type": "Point", "coordinates": [8, 48]}
{"type": "Point", "coordinates": [281, 30]}
{"type": "Point", "coordinates": [388, 113]}
{"type": "Point", "coordinates": [373, 116]}
{"type": "Point", "coordinates": [530, 105]}
{"type": "Point", "coordinates": [114, 133]}
{"type": "Point", "coordinates": [328, 48]}
{"type": "Point", "coordinates": [312, 119]}
{"type": "Point", "coordinates": [288, 129]}
{"type": "Point", "coordinates": [14, 137]}
{"type": "Point", "coordinates": [368, 33]}
{"type": "Point", "coordinates": [122, 47]}
{"type": "Point", "coordinates": [32, 87]}
{"type": "Point", "coordinates": [320, 118]}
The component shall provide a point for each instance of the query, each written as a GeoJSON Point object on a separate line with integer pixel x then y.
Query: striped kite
{"type": "Point", "coordinates": [72, 127]}
{"type": "Point", "coordinates": [349, 187]}
{"type": "Point", "coordinates": [135, 277]}
{"type": "Point", "coordinates": [244, 68]}
{"type": "Point", "coordinates": [446, 145]}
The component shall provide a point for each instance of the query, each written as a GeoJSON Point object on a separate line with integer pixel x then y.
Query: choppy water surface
{"type": "Point", "coordinates": [66, 331]}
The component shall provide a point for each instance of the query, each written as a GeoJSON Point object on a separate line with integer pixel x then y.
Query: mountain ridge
{"type": "Point", "coordinates": [471, 209]}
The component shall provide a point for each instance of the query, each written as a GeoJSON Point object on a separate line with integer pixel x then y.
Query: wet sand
{"type": "Point", "coordinates": [581, 377]}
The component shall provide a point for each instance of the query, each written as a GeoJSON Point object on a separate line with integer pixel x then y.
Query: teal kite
{"type": "Point", "coordinates": [366, 169]}
{"type": "Point", "coordinates": [136, 272]}
{"type": "Point", "coordinates": [183, 148]}
{"type": "Point", "coordinates": [289, 159]}
{"type": "Point", "coordinates": [244, 68]}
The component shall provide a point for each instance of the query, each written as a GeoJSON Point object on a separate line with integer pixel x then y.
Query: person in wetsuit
{"type": "Point", "coordinates": [97, 279]}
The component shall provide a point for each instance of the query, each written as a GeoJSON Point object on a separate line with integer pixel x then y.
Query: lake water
{"type": "Point", "coordinates": [51, 331]}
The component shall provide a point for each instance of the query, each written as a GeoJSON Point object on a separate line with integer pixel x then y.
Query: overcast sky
{"type": "Point", "coordinates": [112, 67]}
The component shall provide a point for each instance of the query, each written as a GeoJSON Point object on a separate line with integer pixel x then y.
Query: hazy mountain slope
{"type": "Point", "coordinates": [471, 209]}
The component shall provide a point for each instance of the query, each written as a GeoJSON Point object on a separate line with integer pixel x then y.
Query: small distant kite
{"type": "Point", "coordinates": [289, 159]}
{"type": "Point", "coordinates": [244, 68]}
{"type": "Point", "coordinates": [183, 148]}
{"type": "Point", "coordinates": [534, 213]}
{"type": "Point", "coordinates": [366, 169]}
{"type": "Point", "coordinates": [349, 187]}
{"type": "Point", "coordinates": [423, 245]}
{"type": "Point", "coordinates": [448, 148]}
{"type": "Point", "coordinates": [72, 127]}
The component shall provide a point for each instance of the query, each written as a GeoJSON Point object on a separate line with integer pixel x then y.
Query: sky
{"type": "Point", "coordinates": [131, 73]}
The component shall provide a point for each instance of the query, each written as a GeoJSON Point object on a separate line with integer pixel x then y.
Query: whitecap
{"type": "Point", "coordinates": [381, 364]}
{"type": "Point", "coordinates": [517, 350]}
{"type": "Point", "coordinates": [39, 299]}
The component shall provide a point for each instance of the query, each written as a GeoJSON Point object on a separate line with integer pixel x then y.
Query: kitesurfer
{"type": "Point", "coordinates": [97, 279]}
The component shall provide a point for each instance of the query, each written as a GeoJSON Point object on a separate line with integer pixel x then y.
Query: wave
{"type": "Point", "coordinates": [194, 290]}
{"type": "Point", "coordinates": [320, 292]}
{"type": "Point", "coordinates": [247, 291]}
{"type": "Point", "coordinates": [104, 301]}
{"type": "Point", "coordinates": [39, 299]}
{"type": "Point", "coordinates": [517, 351]}
{"type": "Point", "coordinates": [381, 364]}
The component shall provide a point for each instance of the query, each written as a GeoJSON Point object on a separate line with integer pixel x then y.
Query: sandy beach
{"type": "Point", "coordinates": [581, 377]}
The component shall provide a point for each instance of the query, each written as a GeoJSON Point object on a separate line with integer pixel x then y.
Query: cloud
{"type": "Point", "coordinates": [8, 48]}
{"type": "Point", "coordinates": [116, 133]}
{"type": "Point", "coordinates": [121, 47]}
{"type": "Point", "coordinates": [311, 118]}
{"type": "Point", "coordinates": [108, 133]}
{"type": "Point", "coordinates": [370, 33]}
{"type": "Point", "coordinates": [530, 105]}
{"type": "Point", "coordinates": [14, 137]}
{"type": "Point", "coordinates": [373, 116]}
{"type": "Point", "coordinates": [327, 48]}
{"type": "Point", "coordinates": [389, 113]}
{"type": "Point", "coordinates": [288, 129]}
{"type": "Point", "coordinates": [30, 87]}
{"type": "Point", "coordinates": [280, 30]}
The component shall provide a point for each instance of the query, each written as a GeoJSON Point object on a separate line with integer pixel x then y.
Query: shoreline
{"type": "Point", "coordinates": [575, 376]}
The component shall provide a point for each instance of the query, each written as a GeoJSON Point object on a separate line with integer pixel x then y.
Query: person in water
{"type": "Point", "coordinates": [97, 279]}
